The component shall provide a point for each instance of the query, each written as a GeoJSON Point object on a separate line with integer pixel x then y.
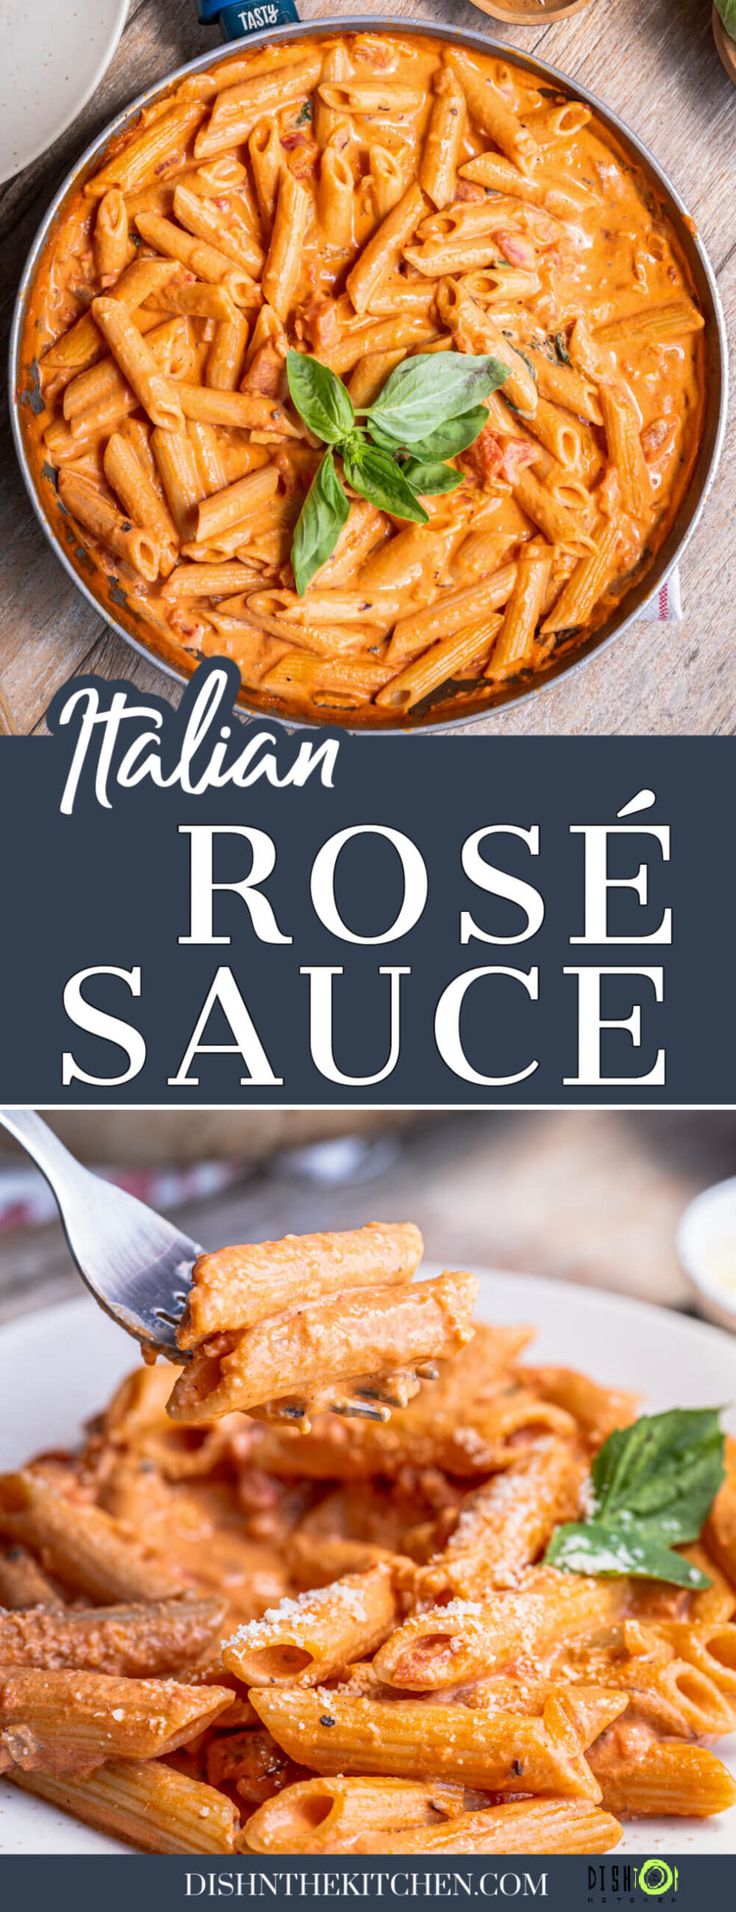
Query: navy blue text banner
{"type": "Point", "coordinates": [198, 910]}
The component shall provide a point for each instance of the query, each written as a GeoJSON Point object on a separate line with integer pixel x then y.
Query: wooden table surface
{"type": "Point", "coordinates": [588, 1196]}
{"type": "Point", "coordinates": [655, 63]}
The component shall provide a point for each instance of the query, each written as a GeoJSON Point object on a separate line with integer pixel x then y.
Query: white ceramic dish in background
{"type": "Point", "coordinates": [60, 1366]}
{"type": "Point", "coordinates": [706, 1244]}
{"type": "Point", "coordinates": [54, 55]}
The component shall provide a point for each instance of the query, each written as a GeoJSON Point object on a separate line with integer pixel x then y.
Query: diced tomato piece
{"type": "Point", "coordinates": [518, 453]}
{"type": "Point", "coordinates": [265, 373]}
{"type": "Point", "coordinates": [518, 251]}
{"type": "Point", "coordinates": [493, 457]}
{"type": "Point", "coordinates": [656, 435]}
{"type": "Point", "coordinates": [484, 459]}
{"type": "Point", "coordinates": [469, 189]}
{"type": "Point", "coordinates": [304, 154]}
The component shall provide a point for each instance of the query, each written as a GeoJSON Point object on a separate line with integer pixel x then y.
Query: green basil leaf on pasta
{"type": "Point", "coordinates": [452, 437]}
{"type": "Point", "coordinates": [428, 478]}
{"type": "Point", "coordinates": [320, 397]}
{"type": "Point", "coordinates": [651, 1489]}
{"type": "Point", "coordinates": [665, 1471]}
{"type": "Point", "coordinates": [423, 392]}
{"type": "Point", "coordinates": [603, 1551]}
{"type": "Point", "coordinates": [385, 439]}
{"type": "Point", "coordinates": [322, 516]}
{"type": "Point", "coordinates": [377, 477]}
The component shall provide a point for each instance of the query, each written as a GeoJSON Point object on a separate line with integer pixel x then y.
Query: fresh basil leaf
{"type": "Point", "coordinates": [424, 392]}
{"type": "Point", "coordinates": [594, 1547]}
{"type": "Point", "coordinates": [319, 524]}
{"type": "Point", "coordinates": [320, 397]}
{"type": "Point", "coordinates": [561, 349]}
{"type": "Point", "coordinates": [664, 1471]}
{"type": "Point", "coordinates": [727, 10]}
{"type": "Point", "coordinates": [376, 475]}
{"type": "Point", "coordinates": [653, 1485]}
{"type": "Point", "coordinates": [452, 437]}
{"type": "Point", "coordinates": [386, 440]}
{"type": "Point", "coordinates": [427, 477]}
{"type": "Point", "coordinates": [448, 439]}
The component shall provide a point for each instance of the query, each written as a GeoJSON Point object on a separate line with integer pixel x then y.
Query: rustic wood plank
{"type": "Point", "coordinates": [655, 65]}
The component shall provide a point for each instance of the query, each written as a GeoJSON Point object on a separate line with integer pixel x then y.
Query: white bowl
{"type": "Point", "coordinates": [706, 1244]}
{"type": "Point", "coordinates": [54, 56]}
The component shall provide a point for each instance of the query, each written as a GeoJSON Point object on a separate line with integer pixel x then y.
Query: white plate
{"type": "Point", "coordinates": [60, 1366]}
{"type": "Point", "coordinates": [54, 55]}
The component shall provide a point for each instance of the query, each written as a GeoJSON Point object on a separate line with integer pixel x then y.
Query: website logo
{"type": "Point", "coordinates": [656, 1877]}
{"type": "Point", "coordinates": [621, 1882]}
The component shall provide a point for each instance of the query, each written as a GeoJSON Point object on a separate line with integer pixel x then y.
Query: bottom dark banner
{"type": "Point", "coordinates": [568, 1883]}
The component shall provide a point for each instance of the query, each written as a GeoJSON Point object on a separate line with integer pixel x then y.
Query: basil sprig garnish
{"type": "Point", "coordinates": [320, 398]}
{"type": "Point", "coordinates": [651, 1488]}
{"type": "Point", "coordinates": [428, 410]}
{"type": "Point", "coordinates": [320, 522]}
{"type": "Point", "coordinates": [377, 475]}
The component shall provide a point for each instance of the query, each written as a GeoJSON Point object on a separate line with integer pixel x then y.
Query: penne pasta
{"type": "Point", "coordinates": [133, 483]}
{"type": "Point", "coordinates": [86, 500]}
{"type": "Point", "coordinates": [307, 1640]}
{"type": "Point", "coordinates": [443, 139]}
{"type": "Point", "coordinates": [662, 1778]}
{"type": "Point", "coordinates": [154, 1637]}
{"type": "Point", "coordinates": [204, 220]}
{"type": "Point", "coordinates": [208, 262]}
{"type": "Point", "coordinates": [514, 648]}
{"type": "Point", "coordinates": [335, 199]}
{"type": "Point", "coordinates": [70, 1720]}
{"type": "Point", "coordinates": [81, 1545]}
{"type": "Point", "coordinates": [103, 384]}
{"type": "Point", "coordinates": [453, 611]}
{"type": "Point", "coordinates": [624, 447]}
{"type": "Point", "coordinates": [177, 467]}
{"type": "Point", "coordinates": [337, 1734]}
{"type": "Point", "coordinates": [382, 252]}
{"type": "Point", "coordinates": [137, 159]}
{"type": "Point", "coordinates": [325, 1815]}
{"type": "Point", "coordinates": [133, 356]}
{"type": "Point", "coordinates": [238, 1287]}
{"type": "Point", "coordinates": [468, 1639]}
{"type": "Point", "coordinates": [442, 661]}
{"type": "Point", "coordinates": [587, 581]}
{"type": "Point", "coordinates": [207, 456]}
{"type": "Point", "coordinates": [490, 112]}
{"type": "Point", "coordinates": [545, 1825]}
{"type": "Point", "coordinates": [283, 264]}
{"type": "Point", "coordinates": [504, 1525]}
{"type": "Point", "coordinates": [267, 159]}
{"type": "Point", "coordinates": [23, 1584]}
{"type": "Point", "coordinates": [235, 1631]}
{"type": "Point", "coordinates": [365, 1333]}
{"type": "Point", "coordinates": [111, 237]}
{"type": "Point", "coordinates": [237, 109]}
{"type": "Point", "coordinates": [151, 1806]}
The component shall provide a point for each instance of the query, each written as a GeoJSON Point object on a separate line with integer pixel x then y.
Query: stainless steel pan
{"type": "Point", "coordinates": [451, 710]}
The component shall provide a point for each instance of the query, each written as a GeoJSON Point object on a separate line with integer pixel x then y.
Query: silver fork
{"type": "Point", "coordinates": [137, 1265]}
{"type": "Point", "coordinates": [139, 1268]}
